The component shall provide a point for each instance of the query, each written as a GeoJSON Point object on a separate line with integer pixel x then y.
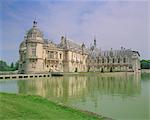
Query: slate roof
{"type": "Point", "coordinates": [70, 45]}
{"type": "Point", "coordinates": [117, 53]}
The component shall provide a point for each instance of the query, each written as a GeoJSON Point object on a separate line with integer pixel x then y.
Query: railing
{"type": "Point", "coordinates": [24, 76]}
{"type": "Point", "coordinates": [53, 59]}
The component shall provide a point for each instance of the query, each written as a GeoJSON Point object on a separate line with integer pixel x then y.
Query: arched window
{"type": "Point", "coordinates": [97, 60]}
{"type": "Point", "coordinates": [124, 60]}
{"type": "Point", "coordinates": [113, 60]}
{"type": "Point", "coordinates": [102, 60]}
{"type": "Point", "coordinates": [60, 55]}
{"type": "Point", "coordinates": [33, 52]}
{"type": "Point", "coordinates": [107, 60]}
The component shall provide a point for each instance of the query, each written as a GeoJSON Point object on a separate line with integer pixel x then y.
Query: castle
{"type": "Point", "coordinates": [38, 55]}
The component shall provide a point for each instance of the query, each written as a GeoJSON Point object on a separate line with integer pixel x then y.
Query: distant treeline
{"type": "Point", "coordinates": [145, 64]}
{"type": "Point", "coordinates": [5, 67]}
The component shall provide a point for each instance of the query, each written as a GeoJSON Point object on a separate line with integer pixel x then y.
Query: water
{"type": "Point", "coordinates": [122, 96]}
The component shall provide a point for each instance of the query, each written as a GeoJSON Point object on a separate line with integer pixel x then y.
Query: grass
{"type": "Point", "coordinates": [26, 107]}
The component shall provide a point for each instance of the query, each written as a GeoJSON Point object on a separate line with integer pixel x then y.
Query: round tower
{"type": "Point", "coordinates": [34, 52]}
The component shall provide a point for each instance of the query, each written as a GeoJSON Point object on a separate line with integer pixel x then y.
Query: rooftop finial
{"type": "Point", "coordinates": [35, 23]}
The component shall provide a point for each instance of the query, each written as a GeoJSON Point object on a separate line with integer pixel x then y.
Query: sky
{"type": "Point", "coordinates": [114, 23]}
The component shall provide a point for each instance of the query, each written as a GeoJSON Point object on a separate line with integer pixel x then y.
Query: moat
{"type": "Point", "coordinates": [118, 96]}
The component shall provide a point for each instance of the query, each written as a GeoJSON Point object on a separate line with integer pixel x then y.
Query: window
{"type": "Point", "coordinates": [102, 60]}
{"type": "Point", "coordinates": [60, 56]}
{"type": "Point", "coordinates": [56, 55]}
{"type": "Point", "coordinates": [21, 57]}
{"type": "Point", "coordinates": [130, 67]}
{"type": "Point", "coordinates": [124, 60]}
{"type": "Point", "coordinates": [33, 48]}
{"type": "Point", "coordinates": [20, 65]}
{"type": "Point", "coordinates": [107, 60]}
{"type": "Point", "coordinates": [118, 60]}
{"type": "Point", "coordinates": [99, 60]}
{"type": "Point", "coordinates": [33, 36]}
{"type": "Point", "coordinates": [51, 54]}
{"type": "Point", "coordinates": [33, 64]}
{"type": "Point", "coordinates": [113, 60]}
{"type": "Point", "coordinates": [33, 45]}
{"type": "Point", "coordinates": [33, 52]}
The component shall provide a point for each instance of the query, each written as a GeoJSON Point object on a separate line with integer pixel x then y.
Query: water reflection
{"type": "Point", "coordinates": [123, 85]}
{"type": "Point", "coordinates": [118, 95]}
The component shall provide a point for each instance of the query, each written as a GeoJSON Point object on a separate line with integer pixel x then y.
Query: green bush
{"type": "Point", "coordinates": [145, 64]}
{"type": "Point", "coordinates": [5, 67]}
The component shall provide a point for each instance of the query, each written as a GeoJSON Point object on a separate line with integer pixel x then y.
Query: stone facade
{"type": "Point", "coordinates": [113, 60]}
{"type": "Point", "coordinates": [38, 55]}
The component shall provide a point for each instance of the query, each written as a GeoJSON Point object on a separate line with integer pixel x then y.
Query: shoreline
{"type": "Point", "coordinates": [25, 106]}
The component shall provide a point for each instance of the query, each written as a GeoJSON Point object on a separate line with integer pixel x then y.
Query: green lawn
{"type": "Point", "coordinates": [25, 107]}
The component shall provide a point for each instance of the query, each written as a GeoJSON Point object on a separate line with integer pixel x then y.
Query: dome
{"type": "Point", "coordinates": [34, 31]}
{"type": "Point", "coordinates": [22, 46]}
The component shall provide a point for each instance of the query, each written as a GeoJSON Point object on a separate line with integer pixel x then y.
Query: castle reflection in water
{"type": "Point", "coordinates": [123, 85]}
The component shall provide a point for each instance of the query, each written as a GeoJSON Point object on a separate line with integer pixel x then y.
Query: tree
{"type": "Point", "coordinates": [145, 64]}
{"type": "Point", "coordinates": [12, 65]}
{"type": "Point", "coordinates": [4, 66]}
{"type": "Point", "coordinates": [16, 65]}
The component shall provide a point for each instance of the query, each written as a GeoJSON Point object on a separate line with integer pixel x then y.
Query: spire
{"type": "Point", "coordinates": [83, 45]}
{"type": "Point", "coordinates": [94, 41]}
{"type": "Point", "coordinates": [83, 48]}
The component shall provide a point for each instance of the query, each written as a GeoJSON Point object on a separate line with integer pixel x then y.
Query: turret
{"type": "Point", "coordinates": [34, 52]}
{"type": "Point", "coordinates": [63, 42]}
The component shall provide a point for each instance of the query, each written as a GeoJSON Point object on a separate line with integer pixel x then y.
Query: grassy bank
{"type": "Point", "coordinates": [13, 106]}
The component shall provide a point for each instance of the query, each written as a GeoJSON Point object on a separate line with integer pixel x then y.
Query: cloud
{"type": "Point", "coordinates": [114, 23]}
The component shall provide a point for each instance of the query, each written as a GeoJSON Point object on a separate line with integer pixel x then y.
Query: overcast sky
{"type": "Point", "coordinates": [113, 23]}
